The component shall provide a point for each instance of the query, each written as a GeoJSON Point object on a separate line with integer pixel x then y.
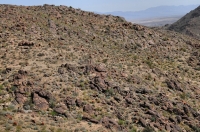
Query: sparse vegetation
{"type": "Point", "coordinates": [64, 69]}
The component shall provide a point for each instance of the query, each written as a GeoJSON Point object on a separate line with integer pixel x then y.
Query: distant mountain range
{"type": "Point", "coordinates": [154, 12]}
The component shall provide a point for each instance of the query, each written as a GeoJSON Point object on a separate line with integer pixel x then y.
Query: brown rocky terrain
{"type": "Point", "coordinates": [64, 69]}
{"type": "Point", "coordinates": [189, 24]}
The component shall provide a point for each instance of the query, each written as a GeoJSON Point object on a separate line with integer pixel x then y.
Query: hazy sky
{"type": "Point", "coordinates": [105, 5]}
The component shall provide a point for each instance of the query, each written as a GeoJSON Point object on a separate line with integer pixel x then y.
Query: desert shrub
{"type": "Point", "coordinates": [133, 130]}
{"type": "Point", "coordinates": [13, 88]}
{"type": "Point", "coordinates": [148, 129]}
{"type": "Point", "coordinates": [59, 130]}
{"type": "Point", "coordinates": [1, 87]}
{"type": "Point", "coordinates": [29, 102]}
{"type": "Point", "coordinates": [105, 60]}
{"type": "Point", "coordinates": [121, 122]}
{"type": "Point", "coordinates": [8, 127]}
{"type": "Point", "coordinates": [149, 63]}
{"type": "Point", "coordinates": [79, 117]}
{"type": "Point", "coordinates": [18, 128]}
{"type": "Point", "coordinates": [196, 129]}
{"type": "Point", "coordinates": [110, 92]}
{"type": "Point", "coordinates": [11, 108]}
{"type": "Point", "coordinates": [165, 39]}
{"type": "Point", "coordinates": [53, 113]}
{"type": "Point", "coordinates": [52, 103]}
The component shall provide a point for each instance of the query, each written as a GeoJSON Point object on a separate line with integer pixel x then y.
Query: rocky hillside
{"type": "Point", "coordinates": [64, 69]}
{"type": "Point", "coordinates": [189, 24]}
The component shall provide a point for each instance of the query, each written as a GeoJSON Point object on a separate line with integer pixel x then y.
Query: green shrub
{"type": "Point", "coordinates": [196, 129]}
{"type": "Point", "coordinates": [165, 39]}
{"type": "Point", "coordinates": [110, 92]}
{"type": "Point", "coordinates": [53, 113]}
{"type": "Point", "coordinates": [121, 122]}
{"type": "Point", "coordinates": [52, 103]}
{"type": "Point", "coordinates": [133, 130]}
{"type": "Point", "coordinates": [1, 87]}
{"type": "Point", "coordinates": [105, 60]}
{"type": "Point", "coordinates": [149, 63]}
{"type": "Point", "coordinates": [13, 88]}
{"type": "Point", "coordinates": [148, 129]}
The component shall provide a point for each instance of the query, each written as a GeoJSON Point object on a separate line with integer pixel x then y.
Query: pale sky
{"type": "Point", "coordinates": [105, 5]}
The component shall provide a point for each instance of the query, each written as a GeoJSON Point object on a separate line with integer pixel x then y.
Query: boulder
{"type": "Point", "coordinates": [100, 68]}
{"type": "Point", "coordinates": [40, 102]}
{"type": "Point", "coordinates": [174, 85]}
{"type": "Point", "coordinates": [69, 101]}
{"type": "Point", "coordinates": [61, 109]}
{"type": "Point", "coordinates": [99, 84]}
{"type": "Point", "coordinates": [88, 108]}
{"type": "Point", "coordinates": [19, 98]}
{"type": "Point", "coordinates": [79, 103]}
{"type": "Point", "coordinates": [89, 119]}
{"type": "Point", "coordinates": [143, 122]}
{"type": "Point", "coordinates": [109, 123]}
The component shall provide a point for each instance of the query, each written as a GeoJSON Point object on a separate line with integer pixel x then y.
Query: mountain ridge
{"type": "Point", "coordinates": [188, 24]}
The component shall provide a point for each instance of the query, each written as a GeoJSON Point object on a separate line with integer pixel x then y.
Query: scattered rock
{"type": "Point", "coordinates": [88, 108]}
{"type": "Point", "coordinates": [26, 43]}
{"type": "Point", "coordinates": [174, 85]}
{"type": "Point", "coordinates": [168, 128]}
{"type": "Point", "coordinates": [142, 91]}
{"type": "Point", "coordinates": [186, 109]}
{"type": "Point", "coordinates": [99, 84]}
{"type": "Point", "coordinates": [70, 102]}
{"type": "Point", "coordinates": [61, 109]}
{"type": "Point", "coordinates": [108, 123]}
{"type": "Point", "coordinates": [179, 119]}
{"type": "Point", "coordinates": [19, 98]}
{"type": "Point", "coordinates": [138, 27]}
{"type": "Point", "coordinates": [79, 103]}
{"type": "Point", "coordinates": [61, 70]}
{"type": "Point", "coordinates": [89, 119]}
{"type": "Point", "coordinates": [100, 68]}
{"type": "Point", "coordinates": [143, 122]}
{"type": "Point", "coordinates": [178, 111]}
{"type": "Point", "coordinates": [40, 102]}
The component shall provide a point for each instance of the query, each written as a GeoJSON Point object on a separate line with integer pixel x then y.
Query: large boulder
{"type": "Point", "coordinates": [40, 102]}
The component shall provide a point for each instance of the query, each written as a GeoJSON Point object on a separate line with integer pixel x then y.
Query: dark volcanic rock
{"type": "Point", "coordinates": [143, 91]}
{"type": "Point", "coordinates": [89, 119]}
{"type": "Point", "coordinates": [26, 43]}
{"type": "Point", "coordinates": [109, 123]}
{"type": "Point", "coordinates": [88, 108]}
{"type": "Point", "coordinates": [45, 94]}
{"type": "Point", "coordinates": [19, 98]}
{"type": "Point", "coordinates": [175, 85]}
{"type": "Point", "coordinates": [179, 119]}
{"type": "Point", "coordinates": [79, 103]}
{"type": "Point", "coordinates": [186, 109]}
{"type": "Point", "coordinates": [70, 102]}
{"type": "Point", "coordinates": [143, 122]}
{"type": "Point", "coordinates": [99, 84]}
{"type": "Point", "coordinates": [61, 109]}
{"type": "Point", "coordinates": [100, 68]}
{"type": "Point", "coordinates": [178, 111]}
{"type": "Point", "coordinates": [61, 70]}
{"type": "Point", "coordinates": [40, 102]}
